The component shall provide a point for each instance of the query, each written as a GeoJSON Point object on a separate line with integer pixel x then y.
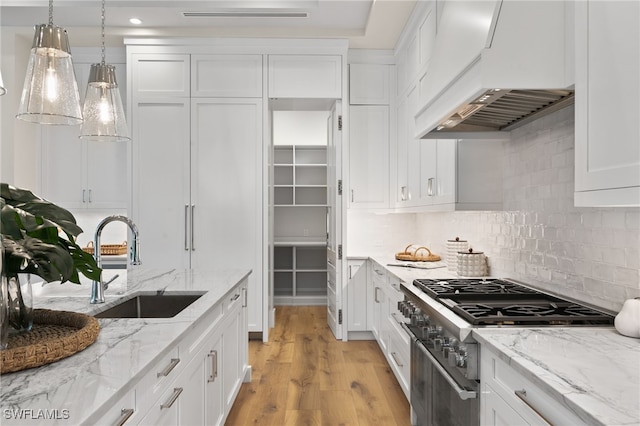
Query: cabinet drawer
{"type": "Point", "coordinates": [158, 378]}
{"type": "Point", "coordinates": [399, 356]}
{"type": "Point", "coordinates": [530, 401]}
{"type": "Point", "coordinates": [234, 300]}
{"type": "Point", "coordinates": [190, 345]}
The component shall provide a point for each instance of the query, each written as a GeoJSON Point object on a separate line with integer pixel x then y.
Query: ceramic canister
{"type": "Point", "coordinates": [453, 247]}
{"type": "Point", "coordinates": [472, 264]}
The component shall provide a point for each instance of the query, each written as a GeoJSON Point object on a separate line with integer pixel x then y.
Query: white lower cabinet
{"type": "Point", "coordinates": [196, 383]}
{"type": "Point", "coordinates": [509, 398]}
{"type": "Point", "coordinates": [357, 296]}
{"type": "Point", "coordinates": [394, 342]}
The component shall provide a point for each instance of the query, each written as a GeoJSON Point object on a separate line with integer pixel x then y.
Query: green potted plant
{"type": "Point", "coordinates": [38, 237]}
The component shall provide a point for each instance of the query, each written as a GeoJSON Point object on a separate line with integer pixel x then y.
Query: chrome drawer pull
{"type": "Point", "coordinates": [214, 366]}
{"type": "Point", "coordinates": [176, 393]}
{"type": "Point", "coordinates": [169, 368]}
{"type": "Point", "coordinates": [235, 297]}
{"type": "Point", "coordinates": [522, 395]}
{"type": "Point", "coordinates": [395, 359]}
{"type": "Point", "coordinates": [125, 413]}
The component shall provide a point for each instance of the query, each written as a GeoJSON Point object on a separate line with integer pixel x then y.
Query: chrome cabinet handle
{"type": "Point", "coordinates": [125, 413]}
{"type": "Point", "coordinates": [350, 276]}
{"type": "Point", "coordinates": [176, 393]}
{"type": "Point", "coordinates": [83, 198]}
{"type": "Point", "coordinates": [244, 291]}
{"type": "Point", "coordinates": [403, 193]}
{"type": "Point", "coordinates": [395, 359]}
{"type": "Point", "coordinates": [235, 297]}
{"type": "Point", "coordinates": [214, 366]}
{"type": "Point", "coordinates": [169, 368]}
{"type": "Point", "coordinates": [375, 294]}
{"type": "Point", "coordinates": [193, 225]}
{"type": "Point", "coordinates": [522, 395]}
{"type": "Point", "coordinates": [90, 200]}
{"type": "Point", "coordinates": [352, 195]}
{"type": "Point", "coordinates": [430, 187]}
{"type": "Point", "coordinates": [186, 232]}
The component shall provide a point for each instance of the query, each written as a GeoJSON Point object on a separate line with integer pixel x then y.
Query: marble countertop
{"type": "Point", "coordinates": [594, 371]}
{"type": "Point", "coordinates": [126, 349]}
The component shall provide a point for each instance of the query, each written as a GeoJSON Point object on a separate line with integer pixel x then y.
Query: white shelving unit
{"type": "Point", "coordinates": [300, 204]}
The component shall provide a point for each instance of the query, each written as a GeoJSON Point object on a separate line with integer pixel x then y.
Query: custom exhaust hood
{"type": "Point", "coordinates": [511, 61]}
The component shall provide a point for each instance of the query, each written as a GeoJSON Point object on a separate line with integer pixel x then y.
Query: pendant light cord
{"type": "Point", "coordinates": [103, 49]}
{"type": "Point", "coordinates": [51, 13]}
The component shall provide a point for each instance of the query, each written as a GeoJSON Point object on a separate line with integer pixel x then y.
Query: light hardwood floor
{"type": "Point", "coordinates": [304, 376]}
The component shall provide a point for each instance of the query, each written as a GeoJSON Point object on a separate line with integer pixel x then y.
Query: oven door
{"type": "Point", "coordinates": [436, 398]}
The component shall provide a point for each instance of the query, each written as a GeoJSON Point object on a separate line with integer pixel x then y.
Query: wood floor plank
{"type": "Point", "coordinates": [304, 376]}
{"type": "Point", "coordinates": [302, 418]}
{"type": "Point", "coordinates": [368, 396]}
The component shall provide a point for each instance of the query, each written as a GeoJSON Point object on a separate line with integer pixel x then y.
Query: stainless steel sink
{"type": "Point", "coordinates": [161, 305]}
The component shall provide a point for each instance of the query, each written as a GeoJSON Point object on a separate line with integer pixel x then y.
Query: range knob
{"type": "Point", "coordinates": [458, 358]}
{"type": "Point", "coordinates": [440, 342]}
{"type": "Point", "coordinates": [434, 331]}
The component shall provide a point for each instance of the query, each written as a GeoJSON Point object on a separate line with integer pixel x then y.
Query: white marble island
{"type": "Point", "coordinates": [82, 388]}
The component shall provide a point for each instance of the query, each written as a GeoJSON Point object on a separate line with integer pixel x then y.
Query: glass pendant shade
{"type": "Point", "coordinates": [103, 113]}
{"type": "Point", "coordinates": [50, 94]}
{"type": "Point", "coordinates": [2, 89]}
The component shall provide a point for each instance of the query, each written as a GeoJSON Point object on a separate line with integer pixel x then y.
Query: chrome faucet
{"type": "Point", "coordinates": [98, 287]}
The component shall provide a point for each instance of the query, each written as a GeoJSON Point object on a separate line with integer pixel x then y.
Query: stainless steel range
{"type": "Point", "coordinates": [440, 316]}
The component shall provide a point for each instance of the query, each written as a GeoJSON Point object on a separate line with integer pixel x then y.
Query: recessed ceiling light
{"type": "Point", "coordinates": [135, 21]}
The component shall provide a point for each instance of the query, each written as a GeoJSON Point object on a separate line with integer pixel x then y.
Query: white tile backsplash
{"type": "Point", "coordinates": [590, 254]}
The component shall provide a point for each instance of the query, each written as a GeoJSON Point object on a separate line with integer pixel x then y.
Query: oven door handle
{"type": "Point", "coordinates": [462, 393]}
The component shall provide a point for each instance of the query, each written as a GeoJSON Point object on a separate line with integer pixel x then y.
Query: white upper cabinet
{"type": "Point", "coordinates": [161, 75]}
{"type": "Point", "coordinates": [369, 84]}
{"type": "Point", "coordinates": [369, 156]}
{"type": "Point", "coordinates": [238, 76]}
{"type": "Point", "coordinates": [80, 174]}
{"type": "Point", "coordinates": [305, 76]}
{"type": "Point", "coordinates": [607, 138]}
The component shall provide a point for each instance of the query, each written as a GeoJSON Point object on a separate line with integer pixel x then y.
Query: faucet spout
{"type": "Point", "coordinates": [98, 287]}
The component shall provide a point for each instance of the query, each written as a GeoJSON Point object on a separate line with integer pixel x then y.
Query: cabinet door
{"type": "Point", "coordinates": [191, 409]}
{"type": "Point", "coordinates": [369, 84]}
{"type": "Point", "coordinates": [158, 75]}
{"type": "Point", "coordinates": [213, 393]}
{"type": "Point", "coordinates": [231, 361]}
{"type": "Point", "coordinates": [106, 168]}
{"type": "Point", "coordinates": [607, 108]}
{"type": "Point", "coordinates": [369, 156]}
{"type": "Point", "coordinates": [81, 175]}
{"type": "Point", "coordinates": [63, 166]}
{"type": "Point", "coordinates": [226, 185]}
{"type": "Point", "coordinates": [357, 296]}
{"type": "Point", "coordinates": [305, 76]}
{"type": "Point", "coordinates": [445, 183]}
{"type": "Point", "coordinates": [237, 76]}
{"type": "Point", "coordinates": [160, 181]}
{"type": "Point", "coordinates": [496, 412]}
{"type": "Point", "coordinates": [402, 196]}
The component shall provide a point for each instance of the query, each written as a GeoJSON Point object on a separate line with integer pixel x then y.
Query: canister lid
{"type": "Point", "coordinates": [457, 240]}
{"type": "Point", "coordinates": [470, 252]}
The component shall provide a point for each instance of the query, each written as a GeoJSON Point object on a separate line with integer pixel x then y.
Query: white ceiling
{"type": "Point", "coordinates": [373, 24]}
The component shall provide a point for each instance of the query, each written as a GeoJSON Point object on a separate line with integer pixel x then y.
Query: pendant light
{"type": "Point", "coordinates": [50, 94]}
{"type": "Point", "coordinates": [104, 118]}
{"type": "Point", "coordinates": [2, 89]}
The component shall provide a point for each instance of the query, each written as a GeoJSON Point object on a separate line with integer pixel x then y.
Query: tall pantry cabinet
{"type": "Point", "coordinates": [197, 156]}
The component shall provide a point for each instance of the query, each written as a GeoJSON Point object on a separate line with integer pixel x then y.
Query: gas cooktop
{"type": "Point", "coordinates": [501, 302]}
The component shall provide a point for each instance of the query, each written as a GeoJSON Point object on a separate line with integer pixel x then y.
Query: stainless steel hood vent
{"type": "Point", "coordinates": [511, 66]}
{"type": "Point", "coordinates": [498, 110]}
